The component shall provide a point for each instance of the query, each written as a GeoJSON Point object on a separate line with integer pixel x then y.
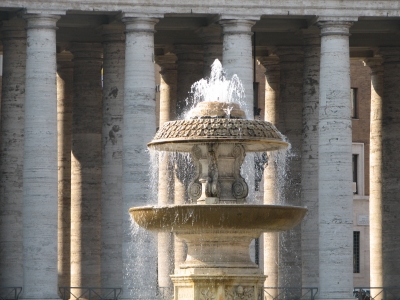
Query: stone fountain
{"type": "Point", "coordinates": [219, 226]}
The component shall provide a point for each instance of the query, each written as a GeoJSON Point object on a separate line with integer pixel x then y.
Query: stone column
{"type": "Point", "coordinates": [309, 159]}
{"type": "Point", "coordinates": [335, 163]}
{"type": "Point", "coordinates": [291, 106]}
{"type": "Point", "coordinates": [39, 213]}
{"type": "Point", "coordinates": [168, 89]}
{"type": "Point", "coordinates": [212, 45]}
{"type": "Point", "coordinates": [139, 128]}
{"type": "Point", "coordinates": [12, 151]}
{"type": "Point", "coordinates": [237, 56]}
{"type": "Point", "coordinates": [375, 172]}
{"type": "Point", "coordinates": [190, 69]}
{"type": "Point", "coordinates": [65, 95]}
{"type": "Point", "coordinates": [272, 89]}
{"type": "Point", "coordinates": [388, 121]}
{"type": "Point", "coordinates": [86, 166]}
{"type": "Point", "coordinates": [112, 206]}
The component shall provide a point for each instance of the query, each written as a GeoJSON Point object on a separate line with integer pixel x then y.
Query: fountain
{"type": "Point", "coordinates": [218, 226]}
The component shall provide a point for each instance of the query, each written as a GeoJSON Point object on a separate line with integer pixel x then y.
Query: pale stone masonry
{"type": "Point", "coordinates": [65, 95]}
{"type": "Point", "coordinates": [290, 124]}
{"type": "Point", "coordinates": [309, 158]}
{"type": "Point", "coordinates": [112, 142]}
{"type": "Point", "coordinates": [39, 212]}
{"type": "Point", "coordinates": [12, 147]}
{"type": "Point", "coordinates": [139, 128]}
{"type": "Point", "coordinates": [334, 166]}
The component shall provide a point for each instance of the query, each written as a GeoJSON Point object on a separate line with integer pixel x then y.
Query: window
{"type": "Point", "coordinates": [358, 169]}
{"type": "Point", "coordinates": [355, 185]}
{"type": "Point", "coordinates": [356, 252]}
{"type": "Point", "coordinates": [353, 97]}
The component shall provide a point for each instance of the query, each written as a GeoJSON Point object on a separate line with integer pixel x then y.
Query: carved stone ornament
{"type": "Point", "coordinates": [206, 294]}
{"type": "Point", "coordinates": [195, 187]}
{"type": "Point", "coordinates": [239, 293]}
{"type": "Point", "coordinates": [240, 189]}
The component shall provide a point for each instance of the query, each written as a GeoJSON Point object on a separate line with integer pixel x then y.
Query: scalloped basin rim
{"type": "Point", "coordinates": [218, 217]}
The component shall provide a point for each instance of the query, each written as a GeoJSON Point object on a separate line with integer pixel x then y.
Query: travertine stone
{"type": "Point", "coordinates": [237, 56]}
{"type": "Point", "coordinates": [40, 207]}
{"type": "Point", "coordinates": [291, 106]}
{"type": "Point", "coordinates": [86, 165]}
{"type": "Point", "coordinates": [12, 151]}
{"type": "Point", "coordinates": [375, 167]}
{"type": "Point", "coordinates": [212, 45]}
{"type": "Point", "coordinates": [65, 95]}
{"type": "Point", "coordinates": [335, 163]}
{"type": "Point", "coordinates": [390, 166]}
{"type": "Point", "coordinates": [139, 127]}
{"type": "Point", "coordinates": [309, 159]}
{"type": "Point", "coordinates": [168, 89]}
{"type": "Point", "coordinates": [272, 90]}
{"type": "Point", "coordinates": [112, 135]}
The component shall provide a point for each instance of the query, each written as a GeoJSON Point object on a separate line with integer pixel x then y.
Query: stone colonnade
{"type": "Point", "coordinates": [109, 163]}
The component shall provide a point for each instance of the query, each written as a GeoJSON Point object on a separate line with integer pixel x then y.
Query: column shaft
{"type": "Point", "coordinates": [375, 171]}
{"type": "Point", "coordinates": [390, 166]}
{"type": "Point", "coordinates": [12, 152]}
{"type": "Point", "coordinates": [86, 166]}
{"type": "Point", "coordinates": [40, 160]}
{"type": "Point", "coordinates": [112, 143]}
{"type": "Point", "coordinates": [272, 90]}
{"type": "Point", "coordinates": [168, 91]}
{"type": "Point", "coordinates": [139, 128]}
{"type": "Point", "coordinates": [65, 95]}
{"type": "Point", "coordinates": [335, 164]}
{"type": "Point", "coordinates": [237, 56]}
{"type": "Point", "coordinates": [309, 160]}
{"type": "Point", "coordinates": [291, 106]}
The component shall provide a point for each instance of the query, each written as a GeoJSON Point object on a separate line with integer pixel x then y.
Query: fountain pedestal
{"type": "Point", "coordinates": [218, 266]}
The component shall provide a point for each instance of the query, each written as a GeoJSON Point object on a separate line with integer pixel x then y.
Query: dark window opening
{"type": "Point", "coordinates": [356, 252]}
{"type": "Point", "coordinates": [353, 96]}
{"type": "Point", "coordinates": [355, 175]}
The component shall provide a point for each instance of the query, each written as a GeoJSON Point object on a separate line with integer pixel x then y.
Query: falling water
{"type": "Point", "coordinates": [217, 87]}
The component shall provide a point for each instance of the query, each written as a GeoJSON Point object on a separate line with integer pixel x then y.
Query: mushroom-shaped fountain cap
{"type": "Point", "coordinates": [209, 125]}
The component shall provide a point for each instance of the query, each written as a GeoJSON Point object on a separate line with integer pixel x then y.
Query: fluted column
{"type": "Point", "coordinates": [212, 45]}
{"type": "Point", "coordinates": [335, 163]}
{"type": "Point", "coordinates": [168, 91]}
{"type": "Point", "coordinates": [375, 172]}
{"type": "Point", "coordinates": [237, 56]}
{"type": "Point", "coordinates": [139, 128]}
{"type": "Point", "coordinates": [272, 90]}
{"type": "Point", "coordinates": [389, 209]}
{"type": "Point", "coordinates": [112, 135]}
{"type": "Point", "coordinates": [65, 95]}
{"type": "Point", "coordinates": [40, 207]}
{"type": "Point", "coordinates": [86, 166]}
{"type": "Point", "coordinates": [291, 106]}
{"type": "Point", "coordinates": [309, 159]}
{"type": "Point", "coordinates": [12, 151]}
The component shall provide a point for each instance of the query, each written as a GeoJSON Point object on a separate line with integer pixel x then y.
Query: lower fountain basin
{"type": "Point", "coordinates": [218, 218]}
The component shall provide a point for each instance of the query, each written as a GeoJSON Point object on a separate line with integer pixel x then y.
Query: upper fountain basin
{"type": "Point", "coordinates": [216, 122]}
{"type": "Point", "coordinates": [218, 218]}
